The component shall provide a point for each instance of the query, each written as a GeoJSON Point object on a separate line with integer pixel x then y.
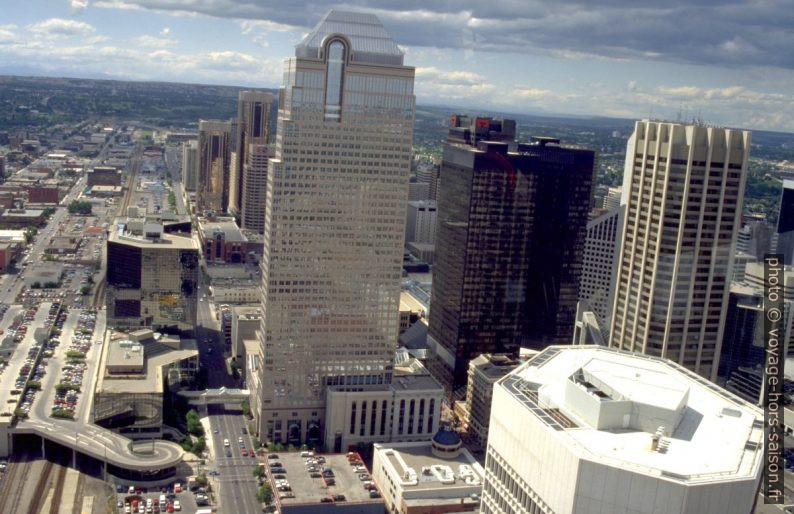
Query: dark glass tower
{"type": "Point", "coordinates": [511, 225]}
{"type": "Point", "coordinates": [785, 223]}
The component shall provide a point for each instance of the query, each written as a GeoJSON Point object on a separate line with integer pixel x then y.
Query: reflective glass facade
{"type": "Point", "coordinates": [334, 228]}
{"type": "Point", "coordinates": [214, 161]}
{"type": "Point", "coordinates": [511, 225]}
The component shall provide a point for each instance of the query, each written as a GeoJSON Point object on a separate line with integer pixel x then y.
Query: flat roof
{"type": "Point", "coordinates": [711, 434]}
{"type": "Point", "coordinates": [165, 242]}
{"type": "Point", "coordinates": [308, 490]}
{"type": "Point", "coordinates": [428, 472]}
{"type": "Point", "coordinates": [247, 311]}
{"type": "Point", "coordinates": [231, 231]}
{"type": "Point", "coordinates": [123, 352]}
{"type": "Point", "coordinates": [12, 235]}
{"type": "Point", "coordinates": [413, 376]}
{"type": "Point", "coordinates": [493, 366]}
{"type": "Point", "coordinates": [231, 271]}
{"type": "Point", "coordinates": [155, 355]}
{"type": "Point", "coordinates": [409, 303]}
{"type": "Point", "coordinates": [23, 213]}
{"type": "Point", "coordinates": [44, 270]}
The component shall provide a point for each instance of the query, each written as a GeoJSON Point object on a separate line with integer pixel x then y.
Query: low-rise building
{"type": "Point", "coordinates": [484, 371]}
{"type": "Point", "coordinates": [44, 275]}
{"type": "Point", "coordinates": [43, 195]}
{"type": "Point", "coordinates": [135, 372]}
{"type": "Point", "coordinates": [106, 191]}
{"type": "Point", "coordinates": [425, 252]}
{"type": "Point", "coordinates": [8, 254]}
{"type": "Point", "coordinates": [411, 310]}
{"type": "Point", "coordinates": [408, 409]}
{"type": "Point", "coordinates": [235, 291]}
{"type": "Point", "coordinates": [13, 236]}
{"type": "Point", "coordinates": [104, 176]}
{"type": "Point", "coordinates": [245, 322]}
{"type": "Point", "coordinates": [431, 477]}
{"type": "Point", "coordinates": [66, 244]}
{"type": "Point", "coordinates": [222, 241]}
{"type": "Point", "coordinates": [22, 218]}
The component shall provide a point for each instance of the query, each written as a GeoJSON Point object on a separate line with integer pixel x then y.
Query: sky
{"type": "Point", "coordinates": [727, 62]}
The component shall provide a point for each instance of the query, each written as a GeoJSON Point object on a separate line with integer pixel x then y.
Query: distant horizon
{"type": "Point", "coordinates": [484, 110]}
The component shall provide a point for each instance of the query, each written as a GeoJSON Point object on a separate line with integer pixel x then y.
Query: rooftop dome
{"type": "Point", "coordinates": [446, 443]}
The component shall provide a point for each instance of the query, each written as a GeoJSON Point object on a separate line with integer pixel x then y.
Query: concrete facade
{"type": "Point", "coordinates": [585, 429]}
{"type": "Point", "coordinates": [682, 187]}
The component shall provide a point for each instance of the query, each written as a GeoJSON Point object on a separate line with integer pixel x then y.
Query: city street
{"type": "Point", "coordinates": [237, 483]}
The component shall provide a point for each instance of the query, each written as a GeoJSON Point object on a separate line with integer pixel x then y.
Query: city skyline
{"type": "Point", "coordinates": [731, 74]}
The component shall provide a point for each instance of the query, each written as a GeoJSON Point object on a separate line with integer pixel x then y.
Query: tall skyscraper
{"type": "Point", "coordinates": [214, 159]}
{"type": "Point", "coordinates": [684, 187]}
{"type": "Point", "coordinates": [252, 213]}
{"type": "Point", "coordinates": [336, 205]}
{"type": "Point", "coordinates": [742, 355]}
{"type": "Point", "coordinates": [420, 223]}
{"type": "Point", "coordinates": [253, 127]}
{"type": "Point", "coordinates": [189, 164]}
{"type": "Point", "coordinates": [599, 262]}
{"type": "Point", "coordinates": [509, 237]}
{"type": "Point", "coordinates": [785, 223]}
{"type": "Point", "coordinates": [612, 198]}
{"type": "Point", "coordinates": [585, 429]}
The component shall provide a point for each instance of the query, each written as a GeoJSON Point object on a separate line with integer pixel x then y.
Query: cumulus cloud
{"type": "Point", "coordinates": [7, 32]}
{"type": "Point", "coordinates": [531, 93]}
{"type": "Point", "coordinates": [147, 41]}
{"type": "Point", "coordinates": [248, 26]}
{"type": "Point", "coordinates": [736, 35]}
{"type": "Point", "coordinates": [57, 27]}
{"type": "Point", "coordinates": [448, 76]}
{"type": "Point", "coordinates": [78, 5]}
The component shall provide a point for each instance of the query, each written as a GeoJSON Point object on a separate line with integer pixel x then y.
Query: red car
{"type": "Point", "coordinates": [244, 452]}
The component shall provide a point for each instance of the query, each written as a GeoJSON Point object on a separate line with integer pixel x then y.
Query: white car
{"type": "Point", "coordinates": [226, 443]}
{"type": "Point", "coordinates": [177, 505]}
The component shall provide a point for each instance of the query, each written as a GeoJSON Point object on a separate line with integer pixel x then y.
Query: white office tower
{"type": "Point", "coordinates": [683, 188]}
{"type": "Point", "coordinates": [336, 206]}
{"type": "Point", "coordinates": [591, 429]}
{"type": "Point", "coordinates": [189, 164]}
{"type": "Point", "coordinates": [420, 223]}
{"type": "Point", "coordinates": [252, 214]}
{"type": "Point", "coordinates": [612, 198]}
{"type": "Point", "coordinates": [598, 264]}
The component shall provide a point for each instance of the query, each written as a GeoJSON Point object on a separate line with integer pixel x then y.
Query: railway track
{"type": "Point", "coordinates": [98, 294]}
{"type": "Point", "coordinates": [136, 165]}
{"type": "Point", "coordinates": [15, 470]}
{"type": "Point", "coordinates": [58, 493]}
{"type": "Point", "coordinates": [39, 495]}
{"type": "Point", "coordinates": [14, 491]}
